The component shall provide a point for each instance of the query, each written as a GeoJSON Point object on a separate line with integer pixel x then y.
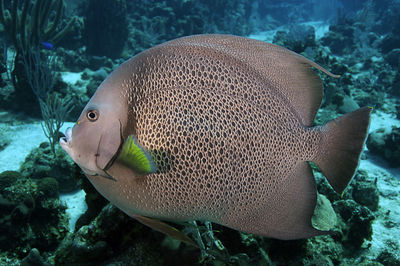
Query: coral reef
{"type": "Point", "coordinates": [40, 163]}
{"type": "Point", "coordinates": [154, 22]}
{"type": "Point", "coordinates": [297, 39]}
{"type": "Point", "coordinates": [31, 215]}
{"type": "Point", "coordinates": [111, 238]}
{"type": "Point", "coordinates": [358, 220]}
{"type": "Point", "coordinates": [340, 38]}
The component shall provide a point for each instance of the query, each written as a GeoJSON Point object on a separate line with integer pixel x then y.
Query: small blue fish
{"type": "Point", "coordinates": [47, 45]}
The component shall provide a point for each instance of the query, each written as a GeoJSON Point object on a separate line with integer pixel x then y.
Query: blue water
{"type": "Point", "coordinates": [53, 60]}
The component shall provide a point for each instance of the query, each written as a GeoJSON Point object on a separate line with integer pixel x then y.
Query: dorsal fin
{"type": "Point", "coordinates": [288, 72]}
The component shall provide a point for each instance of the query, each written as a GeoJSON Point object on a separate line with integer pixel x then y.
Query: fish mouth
{"type": "Point", "coordinates": [66, 141]}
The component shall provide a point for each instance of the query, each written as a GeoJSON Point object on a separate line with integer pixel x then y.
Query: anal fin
{"type": "Point", "coordinates": [165, 228]}
{"type": "Point", "coordinates": [296, 201]}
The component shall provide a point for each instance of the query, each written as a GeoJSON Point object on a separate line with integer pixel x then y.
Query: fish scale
{"type": "Point", "coordinates": [240, 188]}
{"type": "Point", "coordinates": [247, 86]}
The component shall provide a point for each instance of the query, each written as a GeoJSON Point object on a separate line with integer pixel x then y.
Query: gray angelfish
{"type": "Point", "coordinates": [217, 128]}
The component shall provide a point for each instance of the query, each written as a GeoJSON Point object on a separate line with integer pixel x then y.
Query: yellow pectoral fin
{"type": "Point", "coordinates": [165, 228]}
{"type": "Point", "coordinates": [136, 157]}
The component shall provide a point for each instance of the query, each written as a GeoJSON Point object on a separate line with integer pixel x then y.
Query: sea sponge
{"type": "Point", "coordinates": [386, 143]}
{"type": "Point", "coordinates": [49, 187]}
{"type": "Point", "coordinates": [7, 178]}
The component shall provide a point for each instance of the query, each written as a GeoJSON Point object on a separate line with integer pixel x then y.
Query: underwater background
{"type": "Point", "coordinates": [54, 55]}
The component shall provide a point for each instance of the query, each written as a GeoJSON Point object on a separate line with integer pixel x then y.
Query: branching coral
{"type": "Point", "coordinates": [54, 111]}
{"type": "Point", "coordinates": [29, 24]}
{"type": "Point", "coordinates": [32, 23]}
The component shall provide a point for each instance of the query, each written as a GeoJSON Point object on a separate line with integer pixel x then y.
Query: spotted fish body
{"type": "Point", "coordinates": [227, 121]}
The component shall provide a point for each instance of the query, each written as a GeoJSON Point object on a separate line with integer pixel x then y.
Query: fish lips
{"type": "Point", "coordinates": [66, 141]}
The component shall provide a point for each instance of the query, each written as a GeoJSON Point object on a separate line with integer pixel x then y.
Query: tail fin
{"type": "Point", "coordinates": [343, 140]}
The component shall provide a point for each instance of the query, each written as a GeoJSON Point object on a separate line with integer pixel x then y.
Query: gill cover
{"type": "Point", "coordinates": [109, 145]}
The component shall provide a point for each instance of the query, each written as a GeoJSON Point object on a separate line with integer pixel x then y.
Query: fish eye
{"type": "Point", "coordinates": [92, 115]}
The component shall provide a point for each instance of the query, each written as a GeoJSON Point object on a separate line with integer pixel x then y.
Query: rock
{"type": "Point", "coordinates": [358, 222]}
{"type": "Point", "coordinates": [390, 42]}
{"type": "Point", "coordinates": [107, 238]}
{"type": "Point", "coordinates": [92, 86]}
{"type": "Point", "coordinates": [348, 105]}
{"type": "Point", "coordinates": [49, 187]}
{"type": "Point", "coordinates": [340, 38]}
{"type": "Point", "coordinates": [97, 77]}
{"type": "Point", "coordinates": [4, 138]}
{"type": "Point", "coordinates": [33, 259]}
{"type": "Point", "coordinates": [78, 250]}
{"type": "Point", "coordinates": [297, 39]}
{"type": "Point", "coordinates": [365, 191]}
{"type": "Point", "coordinates": [96, 62]}
{"type": "Point", "coordinates": [100, 74]}
{"type": "Point", "coordinates": [388, 258]}
{"type": "Point", "coordinates": [396, 90]}
{"type": "Point", "coordinates": [337, 99]}
{"type": "Point", "coordinates": [322, 250]}
{"type": "Point", "coordinates": [28, 219]}
{"type": "Point", "coordinates": [73, 60]}
{"type": "Point", "coordinates": [393, 57]}
{"type": "Point", "coordinates": [386, 144]}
